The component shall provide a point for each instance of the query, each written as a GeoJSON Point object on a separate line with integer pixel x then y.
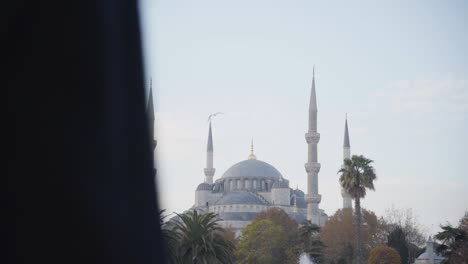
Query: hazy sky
{"type": "Point", "coordinates": [400, 70]}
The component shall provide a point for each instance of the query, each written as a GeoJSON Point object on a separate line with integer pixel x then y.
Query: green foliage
{"type": "Point", "coordinates": [292, 248]}
{"type": "Point", "coordinates": [273, 237]}
{"type": "Point", "coordinates": [384, 255]}
{"type": "Point", "coordinates": [346, 254]}
{"type": "Point", "coordinates": [310, 241]}
{"type": "Point", "coordinates": [262, 241]}
{"type": "Point", "coordinates": [454, 245]}
{"type": "Point", "coordinates": [397, 241]}
{"type": "Point", "coordinates": [407, 221]}
{"type": "Point", "coordinates": [170, 238]}
{"type": "Point", "coordinates": [279, 217]}
{"type": "Point", "coordinates": [199, 239]}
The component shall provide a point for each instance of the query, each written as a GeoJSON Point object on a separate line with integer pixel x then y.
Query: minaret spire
{"type": "Point", "coordinates": [252, 155]}
{"type": "Point", "coordinates": [312, 167]}
{"type": "Point", "coordinates": [209, 170]}
{"type": "Point", "coordinates": [209, 145]}
{"type": "Point", "coordinates": [313, 97]}
{"type": "Point", "coordinates": [347, 202]}
{"type": "Point", "coordinates": [150, 114]}
{"type": "Point", "coordinates": [346, 136]}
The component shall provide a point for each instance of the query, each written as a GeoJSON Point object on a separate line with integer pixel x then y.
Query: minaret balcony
{"type": "Point", "coordinates": [312, 167]}
{"type": "Point", "coordinates": [209, 171]}
{"type": "Point", "coordinates": [312, 137]}
{"type": "Point", "coordinates": [311, 198]}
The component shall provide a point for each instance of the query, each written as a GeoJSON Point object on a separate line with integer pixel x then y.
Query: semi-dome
{"type": "Point", "coordinates": [204, 187]}
{"type": "Point", "coordinates": [240, 197]}
{"type": "Point", "coordinates": [298, 200]}
{"type": "Point", "coordinates": [298, 193]}
{"type": "Point", "coordinates": [252, 168]}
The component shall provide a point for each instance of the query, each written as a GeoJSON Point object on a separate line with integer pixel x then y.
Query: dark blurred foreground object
{"type": "Point", "coordinates": [80, 186]}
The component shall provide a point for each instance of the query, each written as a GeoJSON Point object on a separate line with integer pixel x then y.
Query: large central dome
{"type": "Point", "coordinates": [252, 168]}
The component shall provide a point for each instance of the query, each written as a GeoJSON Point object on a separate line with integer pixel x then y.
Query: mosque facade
{"type": "Point", "coordinates": [252, 185]}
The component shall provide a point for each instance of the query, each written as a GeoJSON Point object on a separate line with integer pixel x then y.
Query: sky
{"type": "Point", "coordinates": [398, 68]}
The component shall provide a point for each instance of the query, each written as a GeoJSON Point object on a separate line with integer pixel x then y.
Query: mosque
{"type": "Point", "coordinates": [252, 185]}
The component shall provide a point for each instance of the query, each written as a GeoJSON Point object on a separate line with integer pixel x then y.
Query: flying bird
{"type": "Point", "coordinates": [213, 115]}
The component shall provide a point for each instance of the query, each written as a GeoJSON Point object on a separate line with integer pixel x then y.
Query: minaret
{"type": "Point", "coordinates": [312, 167]}
{"type": "Point", "coordinates": [347, 202]}
{"type": "Point", "coordinates": [150, 113]}
{"type": "Point", "coordinates": [430, 250]}
{"type": "Point", "coordinates": [209, 170]}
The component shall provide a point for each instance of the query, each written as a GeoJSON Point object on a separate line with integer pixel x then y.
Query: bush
{"type": "Point", "coordinates": [384, 255]}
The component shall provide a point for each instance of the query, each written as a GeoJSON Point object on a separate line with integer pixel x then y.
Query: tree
{"type": "Point", "coordinates": [346, 254]}
{"type": "Point", "coordinates": [279, 217]}
{"type": "Point", "coordinates": [230, 235]}
{"type": "Point", "coordinates": [397, 241]}
{"type": "Point", "coordinates": [339, 235]}
{"type": "Point", "coordinates": [357, 175]}
{"type": "Point", "coordinates": [454, 245]}
{"type": "Point", "coordinates": [407, 220]}
{"type": "Point", "coordinates": [200, 239]}
{"type": "Point", "coordinates": [384, 255]}
{"type": "Point", "coordinates": [464, 222]}
{"type": "Point", "coordinates": [310, 241]}
{"type": "Point", "coordinates": [262, 242]}
{"type": "Point", "coordinates": [169, 237]}
{"type": "Point", "coordinates": [291, 249]}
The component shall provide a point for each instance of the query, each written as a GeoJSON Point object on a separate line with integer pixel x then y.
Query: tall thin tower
{"type": "Point", "coordinates": [347, 202]}
{"type": "Point", "coordinates": [150, 116]}
{"type": "Point", "coordinates": [312, 167]}
{"type": "Point", "coordinates": [209, 170]}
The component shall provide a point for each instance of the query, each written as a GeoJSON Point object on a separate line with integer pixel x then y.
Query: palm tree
{"type": "Point", "coordinates": [201, 240]}
{"type": "Point", "coordinates": [311, 244]}
{"type": "Point", "coordinates": [169, 237]}
{"type": "Point", "coordinates": [357, 175]}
